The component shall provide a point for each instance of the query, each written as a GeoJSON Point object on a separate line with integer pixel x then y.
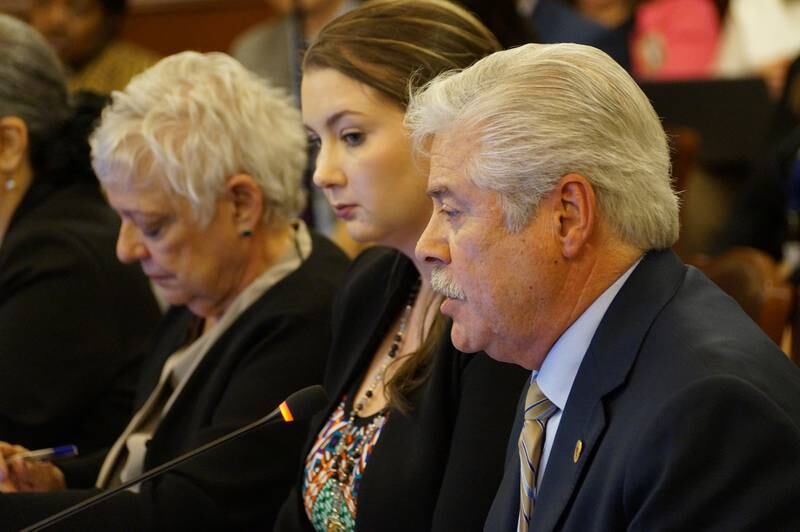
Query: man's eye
{"type": "Point", "coordinates": [448, 211]}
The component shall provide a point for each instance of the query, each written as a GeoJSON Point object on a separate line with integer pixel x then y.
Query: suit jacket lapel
{"type": "Point", "coordinates": [607, 363]}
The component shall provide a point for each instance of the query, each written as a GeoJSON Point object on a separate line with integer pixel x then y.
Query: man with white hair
{"type": "Point", "coordinates": [654, 402]}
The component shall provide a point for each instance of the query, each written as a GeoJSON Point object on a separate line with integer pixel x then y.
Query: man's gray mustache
{"type": "Point", "coordinates": [444, 285]}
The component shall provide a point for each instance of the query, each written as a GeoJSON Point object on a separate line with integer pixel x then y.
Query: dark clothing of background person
{"type": "Point", "coordinates": [555, 21]}
{"type": "Point", "coordinates": [72, 317]}
{"type": "Point", "coordinates": [766, 210]}
{"type": "Point", "coordinates": [504, 20]}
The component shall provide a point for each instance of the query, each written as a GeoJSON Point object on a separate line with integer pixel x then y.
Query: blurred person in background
{"type": "Point", "coordinates": [203, 160]}
{"type": "Point", "coordinates": [604, 24]}
{"type": "Point", "coordinates": [85, 34]}
{"type": "Point", "coordinates": [674, 39]}
{"type": "Point", "coordinates": [760, 38]}
{"type": "Point", "coordinates": [273, 49]}
{"type": "Point", "coordinates": [72, 318]}
{"type": "Point", "coordinates": [652, 39]}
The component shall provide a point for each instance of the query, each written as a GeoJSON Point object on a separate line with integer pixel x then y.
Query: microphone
{"type": "Point", "coordinates": [301, 404]}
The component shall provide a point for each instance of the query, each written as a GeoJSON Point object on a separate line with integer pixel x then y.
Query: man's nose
{"type": "Point", "coordinates": [432, 246]}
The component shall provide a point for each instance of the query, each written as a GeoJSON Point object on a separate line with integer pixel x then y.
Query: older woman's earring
{"type": "Point", "coordinates": [11, 184]}
{"type": "Point", "coordinates": [246, 233]}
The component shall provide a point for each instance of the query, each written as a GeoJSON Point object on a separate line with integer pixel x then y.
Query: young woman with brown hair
{"type": "Point", "coordinates": [415, 434]}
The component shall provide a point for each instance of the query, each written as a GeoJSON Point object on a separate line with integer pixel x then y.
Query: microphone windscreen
{"type": "Point", "coordinates": [306, 402]}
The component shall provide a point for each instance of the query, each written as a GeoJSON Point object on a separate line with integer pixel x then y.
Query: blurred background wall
{"type": "Point", "coordinates": [169, 26]}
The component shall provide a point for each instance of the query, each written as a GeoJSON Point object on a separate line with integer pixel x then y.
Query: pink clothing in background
{"type": "Point", "coordinates": [674, 39]}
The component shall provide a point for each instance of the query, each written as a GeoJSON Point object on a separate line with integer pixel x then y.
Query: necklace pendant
{"type": "Point", "coordinates": [334, 524]}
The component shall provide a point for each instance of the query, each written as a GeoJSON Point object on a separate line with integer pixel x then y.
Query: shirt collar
{"type": "Point", "coordinates": [561, 364]}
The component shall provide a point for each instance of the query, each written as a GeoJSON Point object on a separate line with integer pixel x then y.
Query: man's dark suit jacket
{"type": "Point", "coordinates": [277, 346]}
{"type": "Point", "coordinates": [73, 321]}
{"type": "Point", "coordinates": [687, 414]}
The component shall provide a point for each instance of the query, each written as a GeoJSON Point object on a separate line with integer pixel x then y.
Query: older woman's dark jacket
{"type": "Point", "coordinates": [277, 346]}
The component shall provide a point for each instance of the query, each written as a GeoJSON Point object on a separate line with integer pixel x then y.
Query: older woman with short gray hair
{"type": "Point", "coordinates": [203, 163]}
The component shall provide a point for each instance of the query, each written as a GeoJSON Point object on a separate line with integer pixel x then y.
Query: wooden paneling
{"type": "Point", "coordinates": [13, 6]}
{"type": "Point", "coordinates": [169, 26]}
{"type": "Point", "coordinates": [204, 25]}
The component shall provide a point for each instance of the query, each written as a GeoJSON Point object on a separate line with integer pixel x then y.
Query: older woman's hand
{"type": "Point", "coordinates": [22, 475]}
{"type": "Point", "coordinates": [6, 484]}
{"type": "Point", "coordinates": [7, 477]}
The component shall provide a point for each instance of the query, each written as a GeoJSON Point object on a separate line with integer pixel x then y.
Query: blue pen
{"type": "Point", "coordinates": [62, 451]}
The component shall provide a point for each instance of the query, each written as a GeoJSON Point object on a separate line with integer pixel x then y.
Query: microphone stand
{"type": "Point", "coordinates": [285, 413]}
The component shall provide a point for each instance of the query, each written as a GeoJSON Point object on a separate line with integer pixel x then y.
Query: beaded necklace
{"type": "Point", "coordinates": [397, 343]}
{"type": "Point", "coordinates": [355, 440]}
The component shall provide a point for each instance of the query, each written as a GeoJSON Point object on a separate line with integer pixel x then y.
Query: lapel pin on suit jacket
{"type": "Point", "coordinates": [576, 454]}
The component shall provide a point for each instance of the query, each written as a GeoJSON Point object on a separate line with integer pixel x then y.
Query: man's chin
{"type": "Point", "coordinates": [170, 295]}
{"type": "Point", "coordinates": [461, 341]}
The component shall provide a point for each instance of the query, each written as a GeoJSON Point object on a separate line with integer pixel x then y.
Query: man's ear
{"type": "Point", "coordinates": [248, 202]}
{"type": "Point", "coordinates": [576, 213]}
{"type": "Point", "coordinates": [13, 144]}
